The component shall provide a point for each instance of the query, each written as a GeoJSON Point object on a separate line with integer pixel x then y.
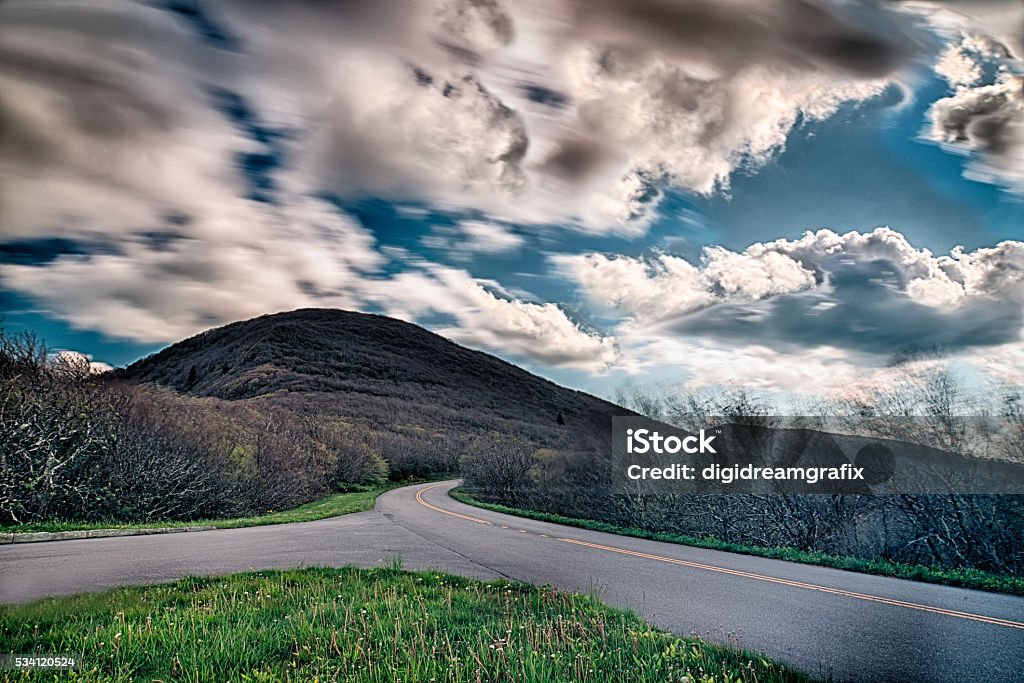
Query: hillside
{"type": "Point", "coordinates": [375, 371]}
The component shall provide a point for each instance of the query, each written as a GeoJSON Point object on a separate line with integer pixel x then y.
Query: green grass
{"type": "Point", "coordinates": [361, 625]}
{"type": "Point", "coordinates": [331, 506]}
{"type": "Point", "coordinates": [963, 578]}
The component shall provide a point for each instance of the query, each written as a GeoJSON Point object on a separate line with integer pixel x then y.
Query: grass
{"type": "Point", "coordinates": [963, 578]}
{"type": "Point", "coordinates": [331, 506]}
{"type": "Point", "coordinates": [361, 625]}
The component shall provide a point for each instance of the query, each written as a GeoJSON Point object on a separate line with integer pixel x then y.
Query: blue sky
{"type": "Point", "coordinates": [589, 194]}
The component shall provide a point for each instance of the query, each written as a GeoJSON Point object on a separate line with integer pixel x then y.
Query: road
{"type": "Point", "coordinates": [827, 622]}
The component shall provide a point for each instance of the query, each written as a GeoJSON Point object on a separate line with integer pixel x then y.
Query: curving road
{"type": "Point", "coordinates": [827, 622]}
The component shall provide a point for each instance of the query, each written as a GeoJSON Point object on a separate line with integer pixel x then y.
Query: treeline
{"type": "Point", "coordinates": [976, 531]}
{"type": "Point", "coordinates": [79, 446]}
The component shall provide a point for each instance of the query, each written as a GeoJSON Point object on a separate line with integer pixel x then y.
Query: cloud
{"type": "Point", "coordinates": [76, 359]}
{"type": "Point", "coordinates": [470, 237]}
{"type": "Point", "coordinates": [104, 126]}
{"type": "Point", "coordinates": [308, 254]}
{"type": "Point", "coordinates": [472, 27]}
{"type": "Point", "coordinates": [987, 120]}
{"type": "Point", "coordinates": [729, 36]}
{"type": "Point", "coordinates": [984, 118]}
{"type": "Point", "coordinates": [148, 199]}
{"type": "Point", "coordinates": [821, 370]}
{"type": "Point", "coordinates": [541, 331]}
{"type": "Point", "coordinates": [405, 120]}
{"type": "Point", "coordinates": [434, 100]}
{"type": "Point", "coordinates": [958, 67]}
{"type": "Point", "coordinates": [489, 237]}
{"type": "Point", "coordinates": [856, 301]}
{"type": "Point", "coordinates": [665, 287]}
{"type": "Point", "coordinates": [162, 173]}
{"type": "Point", "coordinates": [158, 291]}
{"type": "Point", "coordinates": [693, 131]}
{"type": "Point", "coordinates": [482, 318]}
{"type": "Point", "coordinates": [1000, 23]}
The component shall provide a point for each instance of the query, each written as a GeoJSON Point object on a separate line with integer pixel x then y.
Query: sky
{"type": "Point", "coordinates": [797, 196]}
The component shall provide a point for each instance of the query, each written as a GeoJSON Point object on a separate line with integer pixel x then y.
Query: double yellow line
{"type": "Point", "coordinates": [808, 586]}
{"type": "Point", "coordinates": [995, 621]}
{"type": "Point", "coordinates": [419, 497]}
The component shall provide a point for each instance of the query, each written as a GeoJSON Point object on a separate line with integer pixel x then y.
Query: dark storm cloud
{"type": "Point", "coordinates": [866, 310]}
{"type": "Point", "coordinates": [89, 70]}
{"type": "Point", "coordinates": [988, 121]}
{"type": "Point", "coordinates": [983, 117]}
{"type": "Point", "coordinates": [802, 33]}
{"type": "Point", "coordinates": [575, 159]}
{"type": "Point", "coordinates": [372, 19]}
{"type": "Point", "coordinates": [100, 102]}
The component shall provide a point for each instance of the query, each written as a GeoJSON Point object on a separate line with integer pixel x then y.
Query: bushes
{"type": "Point", "coordinates": [76, 446]}
{"type": "Point", "coordinates": [58, 430]}
{"type": "Point", "coordinates": [159, 469]}
{"type": "Point", "coordinates": [351, 459]}
{"type": "Point", "coordinates": [497, 465]}
{"type": "Point", "coordinates": [979, 531]}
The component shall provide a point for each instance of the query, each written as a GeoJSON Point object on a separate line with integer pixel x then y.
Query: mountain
{"type": "Point", "coordinates": [378, 373]}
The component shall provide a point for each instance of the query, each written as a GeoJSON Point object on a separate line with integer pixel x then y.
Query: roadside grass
{"type": "Point", "coordinates": [361, 625]}
{"type": "Point", "coordinates": [962, 578]}
{"type": "Point", "coordinates": [357, 500]}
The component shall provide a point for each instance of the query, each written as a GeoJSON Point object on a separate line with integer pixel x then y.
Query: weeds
{"type": "Point", "coordinates": [362, 625]}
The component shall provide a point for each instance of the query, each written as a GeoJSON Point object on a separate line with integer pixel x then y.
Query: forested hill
{"type": "Point", "coordinates": [271, 413]}
{"type": "Point", "coordinates": [383, 372]}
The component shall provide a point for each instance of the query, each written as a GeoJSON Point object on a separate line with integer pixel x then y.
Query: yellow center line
{"type": "Point", "coordinates": [808, 586]}
{"type": "Point", "coordinates": [995, 621]}
{"type": "Point", "coordinates": [419, 497]}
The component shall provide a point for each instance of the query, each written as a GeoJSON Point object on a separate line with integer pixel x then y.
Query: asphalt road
{"type": "Point", "coordinates": [827, 622]}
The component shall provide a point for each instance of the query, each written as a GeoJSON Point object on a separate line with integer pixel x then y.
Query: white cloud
{"type": "Point", "coordinates": [988, 121]}
{"type": "Point", "coordinates": [851, 304]}
{"type": "Point", "coordinates": [313, 257]}
{"type": "Point", "coordinates": [470, 237]}
{"type": "Point", "coordinates": [696, 130]}
{"type": "Point", "coordinates": [423, 100]}
{"type": "Point", "coordinates": [984, 118]}
{"type": "Point", "coordinates": [942, 281]}
{"type": "Point", "coordinates": [997, 23]}
{"type": "Point", "coordinates": [477, 25]}
{"type": "Point", "coordinates": [958, 67]}
{"type": "Point", "coordinates": [304, 254]}
{"type": "Point", "coordinates": [76, 359]}
{"type": "Point", "coordinates": [489, 237]}
{"type": "Point", "coordinates": [541, 331]}
{"type": "Point", "coordinates": [109, 136]}
{"type": "Point", "coordinates": [666, 286]}
{"type": "Point", "coordinates": [1004, 363]}
{"type": "Point", "coordinates": [751, 366]}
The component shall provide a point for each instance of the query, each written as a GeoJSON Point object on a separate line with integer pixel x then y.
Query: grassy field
{"type": "Point", "coordinates": [361, 625]}
{"type": "Point", "coordinates": [331, 506]}
{"type": "Point", "coordinates": [964, 578]}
